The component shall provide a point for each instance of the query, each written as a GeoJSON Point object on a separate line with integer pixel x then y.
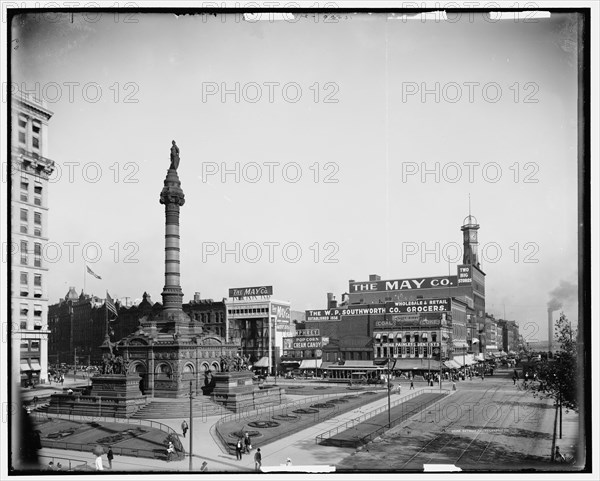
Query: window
{"type": "Point", "coordinates": [37, 218]}
{"type": "Point", "coordinates": [24, 197]}
{"type": "Point", "coordinates": [37, 310]}
{"type": "Point", "coordinates": [24, 216]}
{"type": "Point", "coordinates": [37, 249]}
{"type": "Point", "coordinates": [22, 138]}
{"type": "Point", "coordinates": [37, 201]}
{"type": "Point", "coordinates": [24, 252]}
{"type": "Point", "coordinates": [24, 280]}
{"type": "Point", "coordinates": [37, 231]}
{"type": "Point", "coordinates": [23, 324]}
{"type": "Point", "coordinates": [37, 190]}
{"type": "Point", "coordinates": [35, 345]}
{"type": "Point", "coordinates": [24, 309]}
{"type": "Point", "coordinates": [24, 185]}
{"type": "Point", "coordinates": [22, 121]}
{"type": "Point", "coordinates": [24, 346]}
{"type": "Point", "coordinates": [37, 280]}
{"type": "Point", "coordinates": [35, 142]}
{"type": "Point", "coordinates": [23, 229]}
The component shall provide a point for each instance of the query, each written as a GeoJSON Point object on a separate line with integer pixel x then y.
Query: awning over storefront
{"type": "Point", "coordinates": [325, 365]}
{"type": "Point", "coordinates": [460, 344]}
{"type": "Point", "coordinates": [263, 362]}
{"type": "Point", "coordinates": [409, 364]}
{"type": "Point", "coordinates": [451, 364]}
{"type": "Point", "coordinates": [479, 357]}
{"type": "Point", "coordinates": [291, 362]}
{"type": "Point", "coordinates": [25, 365]}
{"type": "Point", "coordinates": [359, 364]}
{"type": "Point", "coordinates": [459, 360]}
{"type": "Point", "coordinates": [469, 361]}
{"type": "Point", "coordinates": [310, 364]}
{"type": "Point", "coordinates": [35, 366]}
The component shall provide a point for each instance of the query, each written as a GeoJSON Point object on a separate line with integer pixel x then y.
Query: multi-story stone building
{"type": "Point", "coordinates": [30, 169]}
{"type": "Point", "coordinates": [78, 323]}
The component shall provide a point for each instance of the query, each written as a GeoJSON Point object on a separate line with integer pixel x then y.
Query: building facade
{"type": "Point", "coordinates": [258, 324]}
{"type": "Point", "coordinates": [30, 169]}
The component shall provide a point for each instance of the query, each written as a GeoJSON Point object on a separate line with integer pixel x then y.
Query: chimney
{"type": "Point", "coordinates": [374, 277]}
{"type": "Point", "coordinates": [331, 302]}
{"type": "Point", "coordinates": [196, 297]}
{"type": "Point", "coordinates": [550, 330]}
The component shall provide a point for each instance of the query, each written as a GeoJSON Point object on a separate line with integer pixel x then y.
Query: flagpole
{"type": "Point", "coordinates": [84, 276]}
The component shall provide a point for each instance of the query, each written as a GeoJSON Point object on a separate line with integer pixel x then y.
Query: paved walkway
{"type": "Point", "coordinates": [301, 447]}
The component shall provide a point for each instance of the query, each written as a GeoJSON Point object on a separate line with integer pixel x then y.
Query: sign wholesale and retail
{"type": "Point", "coordinates": [465, 275]}
{"type": "Point", "coordinates": [259, 292]}
{"type": "Point", "coordinates": [404, 284]}
{"type": "Point", "coordinates": [418, 305]}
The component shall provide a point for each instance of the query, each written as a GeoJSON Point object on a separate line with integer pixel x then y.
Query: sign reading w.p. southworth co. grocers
{"type": "Point", "coordinates": [244, 292]}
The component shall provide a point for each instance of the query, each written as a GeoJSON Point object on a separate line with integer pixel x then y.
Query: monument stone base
{"type": "Point", "coordinates": [236, 392]}
{"type": "Point", "coordinates": [112, 395]}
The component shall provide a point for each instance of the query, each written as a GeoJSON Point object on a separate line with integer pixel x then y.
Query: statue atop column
{"type": "Point", "coordinates": [174, 156]}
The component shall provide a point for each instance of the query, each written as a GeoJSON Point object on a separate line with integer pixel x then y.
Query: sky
{"type": "Point", "coordinates": [370, 134]}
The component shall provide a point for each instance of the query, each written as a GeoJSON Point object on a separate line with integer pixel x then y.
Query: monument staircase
{"type": "Point", "coordinates": [173, 408]}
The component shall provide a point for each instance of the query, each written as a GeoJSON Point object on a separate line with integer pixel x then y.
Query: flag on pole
{"type": "Point", "coordinates": [90, 271]}
{"type": "Point", "coordinates": [110, 305]}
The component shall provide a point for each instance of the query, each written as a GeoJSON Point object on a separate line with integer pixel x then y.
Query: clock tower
{"type": "Point", "coordinates": [469, 229]}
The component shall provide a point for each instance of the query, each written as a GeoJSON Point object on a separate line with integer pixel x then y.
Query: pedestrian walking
{"type": "Point", "coordinates": [514, 380]}
{"type": "Point", "coordinates": [184, 427]}
{"type": "Point", "coordinates": [288, 462]}
{"type": "Point", "coordinates": [238, 449]}
{"type": "Point", "coordinates": [204, 467]}
{"type": "Point", "coordinates": [99, 465]}
{"type": "Point", "coordinates": [412, 384]}
{"type": "Point", "coordinates": [110, 457]}
{"type": "Point", "coordinates": [257, 459]}
{"type": "Point", "coordinates": [247, 443]}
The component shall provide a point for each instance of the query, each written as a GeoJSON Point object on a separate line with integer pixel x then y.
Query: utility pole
{"type": "Point", "coordinates": [191, 426]}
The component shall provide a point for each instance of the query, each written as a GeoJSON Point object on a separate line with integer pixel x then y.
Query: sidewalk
{"type": "Point", "coordinates": [301, 447]}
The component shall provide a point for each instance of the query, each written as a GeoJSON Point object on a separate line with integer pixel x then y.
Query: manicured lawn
{"type": "Point", "coordinates": [283, 421]}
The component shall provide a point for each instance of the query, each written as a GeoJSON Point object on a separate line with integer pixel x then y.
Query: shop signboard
{"type": "Point", "coordinates": [251, 292]}
{"type": "Point", "coordinates": [418, 305]}
{"type": "Point", "coordinates": [308, 332]}
{"type": "Point", "coordinates": [465, 275]}
{"type": "Point", "coordinates": [281, 313]}
{"type": "Point", "coordinates": [307, 342]}
{"type": "Point", "coordinates": [404, 284]}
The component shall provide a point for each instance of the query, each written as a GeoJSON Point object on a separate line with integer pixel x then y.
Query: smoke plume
{"type": "Point", "coordinates": [564, 293]}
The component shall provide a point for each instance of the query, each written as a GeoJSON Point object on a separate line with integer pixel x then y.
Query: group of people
{"type": "Point", "coordinates": [100, 465]}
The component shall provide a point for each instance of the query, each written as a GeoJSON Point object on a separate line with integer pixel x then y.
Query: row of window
{"type": "Point", "coordinates": [37, 309]}
{"type": "Point", "coordinates": [406, 337]}
{"type": "Point", "coordinates": [37, 253]}
{"type": "Point", "coordinates": [30, 346]}
{"type": "Point", "coordinates": [36, 327]}
{"type": "Point", "coordinates": [34, 132]}
{"type": "Point", "coordinates": [403, 351]}
{"type": "Point", "coordinates": [37, 231]}
{"type": "Point", "coordinates": [37, 279]}
{"type": "Point", "coordinates": [258, 310]}
{"type": "Point", "coordinates": [37, 216]}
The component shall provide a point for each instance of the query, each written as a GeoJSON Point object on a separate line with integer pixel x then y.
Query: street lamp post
{"type": "Point", "coordinates": [388, 394]}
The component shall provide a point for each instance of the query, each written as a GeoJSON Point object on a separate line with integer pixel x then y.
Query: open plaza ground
{"type": "Point", "coordinates": [484, 425]}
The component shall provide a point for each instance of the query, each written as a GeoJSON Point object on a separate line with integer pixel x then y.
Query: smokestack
{"type": "Point", "coordinates": [330, 301]}
{"type": "Point", "coordinates": [550, 330]}
{"type": "Point", "coordinates": [196, 297]}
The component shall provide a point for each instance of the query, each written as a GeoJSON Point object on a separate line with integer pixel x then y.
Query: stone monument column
{"type": "Point", "coordinates": [173, 198]}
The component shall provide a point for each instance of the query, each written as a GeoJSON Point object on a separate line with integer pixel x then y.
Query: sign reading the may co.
{"type": "Point", "coordinates": [245, 292]}
{"type": "Point", "coordinates": [404, 284]}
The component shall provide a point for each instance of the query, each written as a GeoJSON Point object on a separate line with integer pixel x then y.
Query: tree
{"type": "Point", "coordinates": [558, 375]}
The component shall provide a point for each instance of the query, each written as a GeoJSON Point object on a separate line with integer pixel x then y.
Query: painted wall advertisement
{"type": "Point", "coordinates": [282, 314]}
{"type": "Point", "coordinates": [465, 275]}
